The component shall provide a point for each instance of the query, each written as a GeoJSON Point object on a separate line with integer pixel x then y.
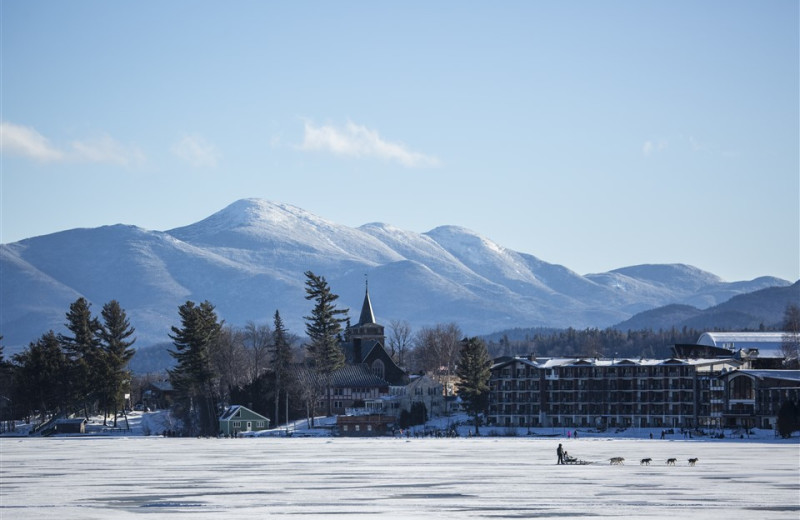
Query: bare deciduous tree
{"type": "Point", "coordinates": [257, 341]}
{"type": "Point", "coordinates": [436, 352]}
{"type": "Point", "coordinates": [399, 340]}
{"type": "Point", "coordinates": [790, 346]}
{"type": "Point", "coordinates": [230, 360]}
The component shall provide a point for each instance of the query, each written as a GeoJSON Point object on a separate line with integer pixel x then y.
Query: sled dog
{"type": "Point", "coordinates": [616, 460]}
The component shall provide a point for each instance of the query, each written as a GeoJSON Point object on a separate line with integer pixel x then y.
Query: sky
{"type": "Point", "coordinates": [595, 135]}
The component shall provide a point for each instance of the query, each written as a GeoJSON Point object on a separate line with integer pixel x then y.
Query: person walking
{"type": "Point", "coordinates": [560, 453]}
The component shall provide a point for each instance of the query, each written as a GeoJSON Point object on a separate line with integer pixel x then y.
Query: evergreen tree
{"type": "Point", "coordinates": [281, 362]}
{"type": "Point", "coordinates": [115, 338]}
{"type": "Point", "coordinates": [788, 419]}
{"type": "Point", "coordinates": [84, 355]}
{"type": "Point", "coordinates": [193, 375]}
{"type": "Point", "coordinates": [474, 371]}
{"type": "Point", "coordinates": [323, 328]}
{"type": "Point", "coordinates": [39, 374]}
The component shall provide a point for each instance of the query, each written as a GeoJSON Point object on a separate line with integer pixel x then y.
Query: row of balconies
{"type": "Point", "coordinates": [614, 385]}
{"type": "Point", "coordinates": [513, 397]}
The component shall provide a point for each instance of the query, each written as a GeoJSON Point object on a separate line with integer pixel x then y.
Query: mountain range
{"type": "Point", "coordinates": [249, 258]}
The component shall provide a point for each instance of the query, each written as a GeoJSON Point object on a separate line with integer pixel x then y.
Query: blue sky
{"type": "Point", "coordinates": [595, 135]}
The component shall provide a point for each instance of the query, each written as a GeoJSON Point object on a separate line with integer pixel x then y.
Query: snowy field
{"type": "Point", "coordinates": [122, 477]}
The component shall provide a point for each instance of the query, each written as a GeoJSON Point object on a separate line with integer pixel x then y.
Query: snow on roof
{"type": "Point", "coordinates": [550, 363]}
{"type": "Point", "coordinates": [786, 375]}
{"type": "Point", "coordinates": [737, 340]}
{"type": "Point", "coordinates": [230, 412]}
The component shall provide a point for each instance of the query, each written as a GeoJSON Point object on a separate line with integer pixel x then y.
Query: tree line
{"type": "Point", "coordinates": [84, 370]}
{"type": "Point", "coordinates": [268, 369]}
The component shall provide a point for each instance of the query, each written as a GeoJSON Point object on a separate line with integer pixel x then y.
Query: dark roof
{"type": "Point", "coordinates": [71, 421]}
{"type": "Point", "coordinates": [367, 316]}
{"type": "Point", "coordinates": [783, 375]}
{"type": "Point", "coordinates": [349, 349]}
{"type": "Point", "coordinates": [163, 386]}
{"type": "Point", "coordinates": [356, 376]}
{"type": "Point", "coordinates": [349, 376]}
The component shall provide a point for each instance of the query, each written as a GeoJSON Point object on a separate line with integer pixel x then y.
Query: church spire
{"type": "Point", "coordinates": [367, 315]}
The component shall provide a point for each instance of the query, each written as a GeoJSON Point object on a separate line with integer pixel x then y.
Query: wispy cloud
{"type": "Point", "coordinates": [651, 147]}
{"type": "Point", "coordinates": [196, 151]}
{"type": "Point", "coordinates": [105, 149]}
{"type": "Point", "coordinates": [359, 141]}
{"type": "Point", "coordinates": [25, 141]}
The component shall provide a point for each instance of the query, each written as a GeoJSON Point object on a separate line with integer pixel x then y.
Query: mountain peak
{"type": "Point", "coordinates": [249, 258]}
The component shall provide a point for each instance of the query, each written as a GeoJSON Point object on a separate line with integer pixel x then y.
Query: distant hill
{"type": "Point", "coordinates": [248, 260]}
{"type": "Point", "coordinates": [749, 311]}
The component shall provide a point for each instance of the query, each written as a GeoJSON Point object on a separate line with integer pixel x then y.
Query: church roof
{"type": "Point", "coordinates": [367, 316]}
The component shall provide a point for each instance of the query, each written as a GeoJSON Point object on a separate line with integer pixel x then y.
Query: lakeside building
{"type": "Point", "coordinates": [726, 380]}
{"type": "Point", "coordinates": [603, 393]}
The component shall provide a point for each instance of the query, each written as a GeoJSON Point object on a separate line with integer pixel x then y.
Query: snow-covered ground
{"type": "Point", "coordinates": [122, 476]}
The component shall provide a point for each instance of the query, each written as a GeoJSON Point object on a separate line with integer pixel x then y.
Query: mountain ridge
{"type": "Point", "coordinates": [248, 259]}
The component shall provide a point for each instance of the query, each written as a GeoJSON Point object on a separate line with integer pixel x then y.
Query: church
{"type": "Point", "coordinates": [364, 344]}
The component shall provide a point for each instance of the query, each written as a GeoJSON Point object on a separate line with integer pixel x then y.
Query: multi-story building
{"type": "Point", "coordinates": [753, 397]}
{"type": "Point", "coordinates": [601, 393]}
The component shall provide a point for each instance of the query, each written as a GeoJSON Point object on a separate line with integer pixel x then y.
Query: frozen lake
{"type": "Point", "coordinates": [100, 478]}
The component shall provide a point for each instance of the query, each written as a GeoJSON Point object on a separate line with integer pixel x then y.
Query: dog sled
{"type": "Point", "coordinates": [574, 461]}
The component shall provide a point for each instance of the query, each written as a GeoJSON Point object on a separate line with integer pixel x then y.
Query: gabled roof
{"type": "Point", "coordinates": [240, 411]}
{"type": "Point", "coordinates": [505, 361]}
{"type": "Point", "coordinates": [162, 386]}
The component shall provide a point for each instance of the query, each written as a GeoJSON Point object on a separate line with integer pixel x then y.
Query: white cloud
{"type": "Point", "coordinates": [27, 142]}
{"type": "Point", "coordinates": [196, 151]}
{"type": "Point", "coordinates": [359, 141]}
{"type": "Point", "coordinates": [106, 150]}
{"type": "Point", "coordinates": [651, 147]}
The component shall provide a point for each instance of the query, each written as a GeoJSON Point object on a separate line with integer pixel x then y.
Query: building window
{"type": "Point", "coordinates": [378, 368]}
{"type": "Point", "coordinates": [742, 388]}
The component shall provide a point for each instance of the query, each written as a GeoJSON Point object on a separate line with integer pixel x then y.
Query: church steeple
{"type": "Point", "coordinates": [367, 316]}
{"type": "Point", "coordinates": [367, 329]}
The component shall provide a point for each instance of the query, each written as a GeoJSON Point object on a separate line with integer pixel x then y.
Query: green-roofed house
{"type": "Point", "coordinates": [237, 419]}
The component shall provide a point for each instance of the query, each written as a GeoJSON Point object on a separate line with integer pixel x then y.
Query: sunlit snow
{"type": "Point", "coordinates": [487, 477]}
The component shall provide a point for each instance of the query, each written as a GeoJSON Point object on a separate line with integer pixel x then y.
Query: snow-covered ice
{"type": "Point", "coordinates": [507, 477]}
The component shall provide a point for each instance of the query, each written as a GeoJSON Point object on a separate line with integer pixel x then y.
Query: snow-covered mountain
{"type": "Point", "coordinates": [249, 259]}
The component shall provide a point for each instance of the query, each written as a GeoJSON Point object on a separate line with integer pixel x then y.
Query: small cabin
{"type": "Point", "coordinates": [369, 425]}
{"type": "Point", "coordinates": [70, 426]}
{"type": "Point", "coordinates": [238, 419]}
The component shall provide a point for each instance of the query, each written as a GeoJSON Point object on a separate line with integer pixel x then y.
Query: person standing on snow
{"type": "Point", "coordinates": [560, 453]}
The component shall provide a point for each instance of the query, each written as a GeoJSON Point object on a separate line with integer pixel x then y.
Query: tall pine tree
{"type": "Point", "coordinates": [115, 338]}
{"type": "Point", "coordinates": [281, 363]}
{"type": "Point", "coordinates": [39, 376]}
{"type": "Point", "coordinates": [474, 371]}
{"type": "Point", "coordinates": [323, 328]}
{"type": "Point", "coordinates": [84, 356]}
{"type": "Point", "coordinates": [193, 375]}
